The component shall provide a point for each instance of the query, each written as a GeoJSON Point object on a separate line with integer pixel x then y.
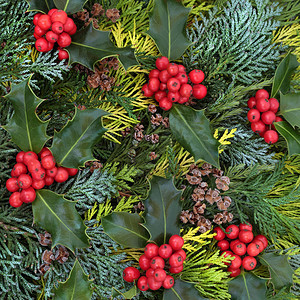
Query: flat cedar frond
{"type": "Point", "coordinates": [193, 241]}
{"type": "Point", "coordinates": [223, 140]}
{"type": "Point", "coordinates": [197, 7]}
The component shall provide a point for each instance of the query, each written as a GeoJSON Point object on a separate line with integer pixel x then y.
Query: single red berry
{"type": "Point", "coordinates": [234, 272]}
{"type": "Point", "coordinates": [186, 90]}
{"type": "Point", "coordinates": [173, 96]}
{"type": "Point", "coordinates": [150, 272]}
{"type": "Point", "coordinates": [245, 226]}
{"type": "Point", "coordinates": [249, 263]}
{"type": "Point", "coordinates": [199, 91]}
{"type": "Point", "coordinates": [271, 136]}
{"type": "Point", "coordinates": [63, 54]}
{"type": "Point", "coordinates": [159, 95]}
{"type": "Point", "coordinates": [258, 126]}
{"type": "Point", "coordinates": [64, 40]}
{"type": "Point", "coordinates": [28, 195]}
{"type": "Point", "coordinates": [36, 36]}
{"type": "Point", "coordinates": [237, 262]}
{"type": "Point", "coordinates": [59, 16]}
{"type": "Point", "coordinates": [24, 181]}
{"type": "Point", "coordinates": [151, 250]}
{"type": "Point", "coordinates": [262, 133]}
{"type": "Point", "coordinates": [168, 282]}
{"type": "Point", "coordinates": [196, 76]}
{"type": "Point", "coordinates": [48, 162]}
{"type": "Point", "coordinates": [182, 253]}
{"type": "Point", "coordinates": [262, 94]}
{"type": "Point", "coordinates": [165, 103]}
{"type": "Point", "coordinates": [36, 18]}
{"type": "Point", "coordinates": [12, 184]}
{"type": "Point", "coordinates": [251, 102]}
{"type": "Point", "coordinates": [182, 100]}
{"type": "Point", "coordinates": [51, 37]}
{"type": "Point", "coordinates": [232, 232]}
{"type": "Point", "coordinates": [73, 31]}
{"type": "Point", "coordinates": [62, 175]}
{"type": "Point", "coordinates": [176, 270]}
{"type": "Point", "coordinates": [239, 248]}
{"type": "Point", "coordinates": [278, 119]}
{"type": "Point", "coordinates": [233, 243]}
{"type": "Point", "coordinates": [52, 11]}
{"type": "Point", "coordinates": [44, 22]}
{"type": "Point", "coordinates": [165, 251]}
{"type": "Point", "coordinates": [259, 245]}
{"type": "Point", "coordinates": [44, 152]}
{"type": "Point", "coordinates": [154, 73]}
{"type": "Point", "coordinates": [181, 68]}
{"type": "Point", "coordinates": [49, 180]}
{"type": "Point", "coordinates": [182, 77]}
{"type": "Point", "coordinates": [147, 92]}
{"type": "Point", "coordinates": [253, 115]}
{"type": "Point", "coordinates": [175, 260]}
{"type": "Point", "coordinates": [153, 284]}
{"type": "Point", "coordinates": [162, 86]}
{"type": "Point", "coordinates": [164, 76]}
{"type": "Point", "coordinates": [144, 262]}
{"type": "Point", "coordinates": [38, 184]}
{"type": "Point", "coordinates": [57, 27]}
{"type": "Point", "coordinates": [246, 236]}
{"type": "Point", "coordinates": [69, 25]}
{"type": "Point", "coordinates": [41, 45]}
{"type": "Point", "coordinates": [159, 274]}
{"type": "Point", "coordinates": [176, 242]}
{"type": "Point", "coordinates": [38, 174]}
{"type": "Point", "coordinates": [268, 117]}
{"type": "Point", "coordinates": [72, 171]}
{"type": "Point", "coordinates": [39, 31]}
{"type": "Point", "coordinates": [130, 274]}
{"type": "Point", "coordinates": [52, 172]}
{"type": "Point", "coordinates": [162, 63]}
{"type": "Point", "coordinates": [274, 105]}
{"type": "Point", "coordinates": [157, 262]}
{"type": "Point", "coordinates": [153, 84]}
{"type": "Point", "coordinates": [20, 156]}
{"type": "Point", "coordinates": [15, 200]}
{"type": "Point", "coordinates": [263, 239]}
{"type": "Point", "coordinates": [34, 165]}
{"type": "Point", "coordinates": [220, 234]}
{"type": "Point", "coordinates": [142, 283]}
{"type": "Point", "coordinates": [223, 245]}
{"type": "Point", "coordinates": [172, 69]}
{"type": "Point", "coordinates": [50, 46]}
{"type": "Point", "coordinates": [18, 169]}
{"type": "Point", "coordinates": [262, 104]}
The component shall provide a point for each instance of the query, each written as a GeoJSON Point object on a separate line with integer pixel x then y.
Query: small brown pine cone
{"type": "Point", "coordinates": [156, 120]}
{"type": "Point", "coordinates": [187, 216]}
{"type": "Point", "coordinates": [97, 10]}
{"type": "Point", "coordinates": [203, 185]}
{"type": "Point", "coordinates": [212, 196]}
{"type": "Point", "coordinates": [152, 109]}
{"type": "Point", "coordinates": [218, 218]}
{"type": "Point", "coordinates": [82, 15]}
{"type": "Point", "coordinates": [94, 165]}
{"type": "Point", "coordinates": [113, 14]}
{"type": "Point", "coordinates": [206, 166]}
{"type": "Point", "coordinates": [126, 131]}
{"type": "Point", "coordinates": [193, 179]}
{"type": "Point", "coordinates": [94, 80]}
{"type": "Point", "coordinates": [153, 156]}
{"type": "Point", "coordinates": [199, 208]}
{"type": "Point", "coordinates": [48, 256]}
{"type": "Point", "coordinates": [166, 122]}
{"type": "Point", "coordinates": [61, 254]}
{"type": "Point", "coordinates": [139, 127]}
{"type": "Point", "coordinates": [222, 183]}
{"type": "Point", "coordinates": [217, 173]}
{"type": "Point", "coordinates": [45, 239]}
{"type": "Point", "coordinates": [203, 224]}
{"type": "Point", "coordinates": [154, 138]}
{"type": "Point", "coordinates": [113, 62]}
{"type": "Point", "coordinates": [138, 135]}
{"type": "Point", "coordinates": [227, 201]}
{"type": "Point", "coordinates": [196, 172]}
{"type": "Point", "coordinates": [227, 217]}
{"type": "Point", "coordinates": [221, 205]}
{"type": "Point", "coordinates": [44, 268]}
{"type": "Point", "coordinates": [198, 194]}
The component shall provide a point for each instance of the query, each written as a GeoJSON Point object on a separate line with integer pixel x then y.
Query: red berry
{"type": "Point", "coordinates": [173, 96]}
{"type": "Point", "coordinates": [165, 103]}
{"type": "Point", "coordinates": [147, 92]}
{"type": "Point", "coordinates": [220, 234]}
{"type": "Point", "coordinates": [69, 25]}
{"type": "Point", "coordinates": [150, 272]}
{"type": "Point", "coordinates": [28, 195]}
{"type": "Point", "coordinates": [24, 181]}
{"type": "Point", "coordinates": [176, 242]}
{"type": "Point", "coordinates": [153, 84]}
{"type": "Point", "coordinates": [182, 77]}
{"type": "Point", "coordinates": [151, 250]}
{"type": "Point", "coordinates": [175, 260]}
{"type": "Point", "coordinates": [157, 262]}
{"type": "Point", "coordinates": [63, 54]}
{"type": "Point", "coordinates": [259, 245]}
{"type": "Point", "coordinates": [239, 248]}
{"type": "Point", "coordinates": [232, 232]}
{"type": "Point", "coordinates": [165, 251]}
{"type": "Point", "coordinates": [144, 262]}
{"type": "Point", "coordinates": [251, 102]}
{"type": "Point", "coordinates": [262, 94]}
{"type": "Point", "coordinates": [196, 76]}
{"type": "Point", "coordinates": [162, 86]}
{"type": "Point", "coordinates": [57, 27]}
{"type": "Point", "coordinates": [44, 22]}
{"type": "Point", "coordinates": [263, 239]}
{"type": "Point", "coordinates": [176, 270]}
{"type": "Point", "coordinates": [12, 184]}
{"type": "Point", "coordinates": [15, 200]}
{"type": "Point", "coordinates": [227, 253]}
{"type": "Point", "coordinates": [51, 37]}
{"type": "Point", "coordinates": [36, 18]}
{"type": "Point", "coordinates": [182, 253]}
{"type": "Point", "coordinates": [236, 263]}
{"type": "Point", "coordinates": [164, 76]}
{"type": "Point", "coordinates": [159, 274]}
{"type": "Point", "coordinates": [52, 11]}
{"type": "Point", "coordinates": [246, 236]}
{"type": "Point", "coordinates": [223, 245]}
{"type": "Point", "coordinates": [142, 283]}
{"type": "Point", "coordinates": [38, 174]}
{"type": "Point", "coordinates": [253, 115]}
{"type": "Point", "coordinates": [41, 45]}
{"type": "Point", "coordinates": [59, 16]}
{"type": "Point", "coordinates": [262, 104]}
{"type": "Point", "coordinates": [271, 136]}
{"type": "Point", "coordinates": [52, 172]}
{"type": "Point", "coordinates": [130, 274]}
{"type": "Point", "coordinates": [73, 31]}
{"type": "Point", "coordinates": [62, 175]}
{"type": "Point", "coordinates": [278, 119]}
{"type": "Point", "coordinates": [258, 126]}
{"type": "Point", "coordinates": [199, 91]}
{"type": "Point", "coordinates": [153, 284]}
{"type": "Point", "coordinates": [18, 169]}
{"type": "Point", "coordinates": [234, 272]}
{"type": "Point", "coordinates": [48, 162]}
{"type": "Point", "coordinates": [33, 165]}
{"type": "Point", "coordinates": [154, 73]}
{"type": "Point", "coordinates": [249, 263]}
{"type": "Point", "coordinates": [182, 100]}
{"type": "Point", "coordinates": [168, 282]}
{"type": "Point", "coordinates": [39, 31]}
{"type": "Point", "coordinates": [44, 152]}
{"type": "Point", "coordinates": [162, 63]}
{"type": "Point", "coordinates": [72, 171]}
{"type": "Point", "coordinates": [50, 46]}
{"type": "Point", "coordinates": [181, 69]}
{"type": "Point", "coordinates": [262, 133]}
{"type": "Point", "coordinates": [245, 226]}
{"type": "Point", "coordinates": [36, 36]}
{"type": "Point", "coordinates": [186, 90]}
{"type": "Point", "coordinates": [159, 95]}
{"type": "Point", "coordinates": [49, 180]}
{"type": "Point", "coordinates": [172, 69]}
{"type": "Point", "coordinates": [233, 243]}
{"type": "Point", "coordinates": [38, 184]}
{"type": "Point", "coordinates": [268, 117]}
{"type": "Point", "coordinates": [64, 40]}
{"type": "Point", "coordinates": [274, 105]}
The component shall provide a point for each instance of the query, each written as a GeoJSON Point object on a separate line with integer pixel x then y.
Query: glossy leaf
{"type": "Point", "coordinates": [247, 286]}
{"type": "Point", "coordinates": [279, 268]}
{"type": "Point", "coordinates": [168, 27]}
{"type": "Point", "coordinates": [284, 71]}
{"type": "Point", "coordinates": [127, 295]}
{"type": "Point", "coordinates": [72, 146]}
{"type": "Point", "coordinates": [76, 287]}
{"type": "Point", "coordinates": [41, 5]}
{"type": "Point", "coordinates": [70, 6]}
{"type": "Point", "coordinates": [90, 45]}
{"type": "Point", "coordinates": [291, 135]}
{"type": "Point", "coordinates": [59, 217]}
{"type": "Point", "coordinates": [192, 130]}
{"type": "Point", "coordinates": [290, 108]}
{"type": "Point", "coordinates": [162, 210]}
{"type": "Point", "coordinates": [26, 129]}
{"type": "Point", "coordinates": [125, 229]}
{"type": "Point", "coordinates": [182, 291]}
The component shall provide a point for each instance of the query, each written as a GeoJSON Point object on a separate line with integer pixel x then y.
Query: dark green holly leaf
{"type": "Point", "coordinates": [125, 229]}
{"type": "Point", "coordinates": [90, 45]}
{"type": "Point", "coordinates": [182, 291]}
{"type": "Point", "coordinates": [162, 210]}
{"type": "Point", "coordinates": [59, 217]}
{"type": "Point", "coordinates": [283, 74]}
{"type": "Point", "coordinates": [168, 27]}
{"type": "Point", "coordinates": [279, 268]}
{"type": "Point", "coordinates": [72, 146]}
{"type": "Point", "coordinates": [70, 6]}
{"type": "Point", "coordinates": [291, 135]}
{"type": "Point", "coordinates": [192, 130]}
{"type": "Point", "coordinates": [247, 286]}
{"type": "Point", "coordinates": [127, 295]}
{"type": "Point", "coordinates": [290, 108]}
{"type": "Point", "coordinates": [41, 5]}
{"type": "Point", "coordinates": [26, 129]}
{"type": "Point", "coordinates": [76, 287]}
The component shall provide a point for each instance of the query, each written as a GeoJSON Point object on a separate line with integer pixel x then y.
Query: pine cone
{"type": "Point", "coordinates": [139, 127]}
{"type": "Point", "coordinates": [217, 172]}
{"type": "Point", "coordinates": [204, 225]}
{"type": "Point", "coordinates": [44, 268]}
{"type": "Point", "coordinates": [138, 135]}
{"type": "Point", "coordinates": [198, 194]}
{"type": "Point", "coordinates": [166, 122]}
{"type": "Point", "coordinates": [61, 254]}
{"type": "Point", "coordinates": [126, 131]}
{"type": "Point", "coordinates": [113, 14]}
{"type": "Point", "coordinates": [218, 218]}
{"type": "Point", "coordinates": [153, 156]}
{"type": "Point", "coordinates": [94, 80]}
{"type": "Point", "coordinates": [186, 216]}
{"type": "Point", "coordinates": [48, 256]}
{"type": "Point", "coordinates": [228, 217]}
{"type": "Point", "coordinates": [154, 138]}
{"type": "Point", "coordinates": [222, 183]}
{"type": "Point", "coordinates": [156, 120]}
{"type": "Point", "coordinates": [45, 239]}
{"type": "Point", "coordinates": [199, 208]}
{"type": "Point", "coordinates": [212, 196]}
{"type": "Point", "coordinates": [97, 10]}
{"type": "Point", "coordinates": [152, 109]}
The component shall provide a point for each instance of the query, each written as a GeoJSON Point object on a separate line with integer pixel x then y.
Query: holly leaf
{"type": "Point", "coordinates": [162, 210]}
{"type": "Point", "coordinates": [168, 27]}
{"type": "Point", "coordinates": [291, 135]}
{"type": "Point", "coordinates": [247, 286]}
{"type": "Point", "coordinates": [279, 268]}
{"type": "Point", "coordinates": [283, 74]}
{"type": "Point", "coordinates": [76, 287]}
{"type": "Point", "coordinates": [70, 6]}
{"type": "Point", "coordinates": [127, 295]}
{"type": "Point", "coordinates": [41, 5]}
{"type": "Point", "coordinates": [59, 217]}
{"type": "Point", "coordinates": [26, 129]}
{"type": "Point", "coordinates": [125, 229]}
{"type": "Point", "coordinates": [72, 146]}
{"type": "Point", "coordinates": [290, 108]}
{"type": "Point", "coordinates": [90, 45]}
{"type": "Point", "coordinates": [192, 130]}
{"type": "Point", "coordinates": [182, 290]}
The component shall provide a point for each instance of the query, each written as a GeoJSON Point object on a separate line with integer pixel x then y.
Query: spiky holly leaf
{"type": "Point", "coordinates": [26, 129]}
{"type": "Point", "coordinates": [76, 287]}
{"type": "Point", "coordinates": [70, 6]}
{"type": "Point", "coordinates": [247, 286]}
{"type": "Point", "coordinates": [162, 210]}
{"type": "Point", "coordinates": [181, 291]}
{"type": "Point", "coordinates": [291, 135]}
{"type": "Point", "coordinates": [283, 74]}
{"type": "Point", "coordinates": [72, 146]}
{"type": "Point", "coordinates": [90, 45]}
{"type": "Point", "coordinates": [41, 5]}
{"type": "Point", "coordinates": [168, 27]}
{"type": "Point", "coordinates": [59, 217]}
{"type": "Point", "coordinates": [279, 268]}
{"type": "Point", "coordinates": [290, 108]}
{"type": "Point", "coordinates": [125, 229]}
{"type": "Point", "coordinates": [127, 295]}
{"type": "Point", "coordinates": [192, 130]}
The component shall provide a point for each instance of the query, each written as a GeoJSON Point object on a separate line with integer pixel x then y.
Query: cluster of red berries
{"type": "Point", "coordinates": [30, 174]}
{"type": "Point", "coordinates": [238, 238]}
{"type": "Point", "coordinates": [170, 83]}
{"type": "Point", "coordinates": [262, 115]}
{"type": "Point", "coordinates": [153, 262]}
{"type": "Point", "coordinates": [53, 27]}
